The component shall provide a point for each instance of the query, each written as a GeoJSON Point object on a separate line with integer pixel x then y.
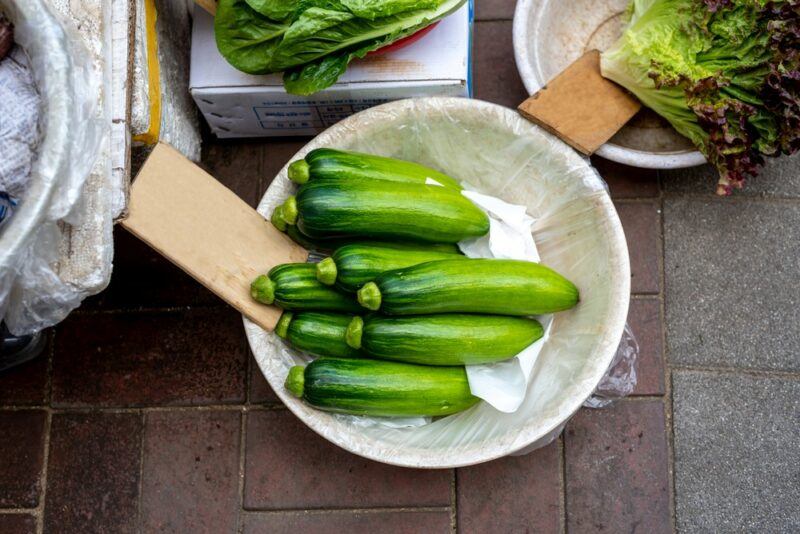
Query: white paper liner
{"type": "Point", "coordinates": [504, 384]}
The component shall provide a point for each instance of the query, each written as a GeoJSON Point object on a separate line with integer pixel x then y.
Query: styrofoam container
{"type": "Point", "coordinates": [577, 231]}
{"type": "Point", "coordinates": [58, 246]}
{"type": "Point", "coordinates": [551, 34]}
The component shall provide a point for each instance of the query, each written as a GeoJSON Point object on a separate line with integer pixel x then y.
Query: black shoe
{"type": "Point", "coordinates": [16, 350]}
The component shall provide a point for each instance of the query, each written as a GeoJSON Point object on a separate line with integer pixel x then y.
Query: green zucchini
{"type": "Point", "coordinates": [448, 339]}
{"type": "Point", "coordinates": [317, 333]}
{"type": "Point", "coordinates": [294, 286]}
{"type": "Point", "coordinates": [352, 266]}
{"type": "Point", "coordinates": [387, 210]}
{"type": "Point", "coordinates": [277, 219]}
{"type": "Point", "coordinates": [492, 286]}
{"type": "Point", "coordinates": [372, 387]}
{"type": "Point", "coordinates": [331, 244]}
{"type": "Point", "coordinates": [325, 163]}
{"type": "Point", "coordinates": [319, 245]}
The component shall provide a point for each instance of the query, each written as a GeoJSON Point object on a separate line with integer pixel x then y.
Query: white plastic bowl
{"type": "Point", "coordinates": [551, 34]}
{"type": "Point", "coordinates": [578, 234]}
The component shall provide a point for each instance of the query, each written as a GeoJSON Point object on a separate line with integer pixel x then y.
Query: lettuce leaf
{"type": "Point", "coordinates": [724, 73]}
{"type": "Point", "coordinates": [317, 75]}
{"type": "Point", "coordinates": [344, 35]}
{"type": "Point", "coordinates": [275, 9]}
{"type": "Point", "coordinates": [315, 40]}
{"type": "Point", "coordinates": [312, 21]}
{"type": "Point", "coordinates": [246, 38]}
{"type": "Point", "coordinates": [375, 9]}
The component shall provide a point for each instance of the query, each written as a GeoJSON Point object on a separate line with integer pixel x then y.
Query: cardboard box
{"type": "Point", "coordinates": [236, 104]}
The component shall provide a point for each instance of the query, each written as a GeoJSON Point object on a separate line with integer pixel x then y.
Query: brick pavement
{"type": "Point", "coordinates": [147, 413]}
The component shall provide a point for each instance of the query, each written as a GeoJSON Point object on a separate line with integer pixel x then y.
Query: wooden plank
{"type": "Point", "coordinates": [580, 106]}
{"type": "Point", "coordinates": [206, 230]}
{"type": "Point", "coordinates": [208, 5]}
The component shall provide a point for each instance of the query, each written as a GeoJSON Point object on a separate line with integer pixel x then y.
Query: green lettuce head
{"type": "Point", "coordinates": [724, 73]}
{"type": "Point", "coordinates": [313, 41]}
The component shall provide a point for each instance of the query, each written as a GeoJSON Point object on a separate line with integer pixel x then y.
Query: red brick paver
{"type": "Point", "coordinates": [642, 224]}
{"type": "Point", "coordinates": [616, 476]}
{"type": "Point", "coordinates": [278, 153]}
{"type": "Point", "coordinates": [25, 385]}
{"type": "Point", "coordinates": [645, 319]}
{"type": "Point", "coordinates": [142, 278]}
{"type": "Point", "coordinates": [93, 473]}
{"type": "Point", "coordinates": [174, 358]}
{"type": "Point", "coordinates": [260, 390]}
{"type": "Point", "coordinates": [237, 164]}
{"type": "Point", "coordinates": [17, 524]}
{"type": "Point", "coordinates": [348, 522]}
{"type": "Point", "coordinates": [494, 9]}
{"type": "Point", "coordinates": [495, 75]}
{"type": "Point", "coordinates": [21, 457]}
{"type": "Point", "coordinates": [514, 494]}
{"type": "Point", "coordinates": [289, 467]}
{"type": "Point", "coordinates": [190, 477]}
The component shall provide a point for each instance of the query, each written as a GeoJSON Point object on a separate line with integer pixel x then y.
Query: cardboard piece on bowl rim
{"type": "Point", "coordinates": [580, 106]}
{"type": "Point", "coordinates": [208, 5]}
{"type": "Point", "coordinates": [201, 226]}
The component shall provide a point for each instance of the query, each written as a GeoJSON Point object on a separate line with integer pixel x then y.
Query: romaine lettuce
{"type": "Point", "coordinates": [313, 41]}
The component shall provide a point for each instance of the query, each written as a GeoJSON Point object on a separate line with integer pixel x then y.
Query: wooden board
{"type": "Point", "coordinates": [206, 230]}
{"type": "Point", "coordinates": [580, 106]}
{"type": "Point", "coordinates": [208, 5]}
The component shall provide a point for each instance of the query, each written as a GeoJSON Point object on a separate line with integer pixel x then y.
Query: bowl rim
{"type": "Point", "coordinates": [368, 447]}
{"type": "Point", "coordinates": [611, 151]}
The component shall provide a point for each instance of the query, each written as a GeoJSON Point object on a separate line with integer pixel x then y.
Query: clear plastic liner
{"type": "Point", "coordinates": [32, 296]}
{"type": "Point", "coordinates": [19, 128]}
{"type": "Point", "coordinates": [620, 379]}
{"type": "Point", "coordinates": [577, 233]}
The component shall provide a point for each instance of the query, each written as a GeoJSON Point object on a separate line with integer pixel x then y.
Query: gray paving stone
{"type": "Point", "coordinates": [737, 453]}
{"type": "Point", "coordinates": [780, 177]}
{"type": "Point", "coordinates": [732, 290]}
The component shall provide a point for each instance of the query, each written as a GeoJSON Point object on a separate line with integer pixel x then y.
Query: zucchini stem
{"type": "Point", "coordinates": [290, 210]}
{"type": "Point", "coordinates": [282, 328]}
{"type": "Point", "coordinates": [354, 332]}
{"type": "Point", "coordinates": [295, 381]}
{"type": "Point", "coordinates": [277, 219]}
{"type": "Point", "coordinates": [299, 171]}
{"type": "Point", "coordinates": [263, 289]}
{"type": "Point", "coordinates": [327, 272]}
{"type": "Point", "coordinates": [369, 296]}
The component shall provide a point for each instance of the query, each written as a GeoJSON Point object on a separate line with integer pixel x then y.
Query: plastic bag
{"type": "Point", "coordinates": [576, 231]}
{"type": "Point", "coordinates": [620, 379]}
{"type": "Point", "coordinates": [32, 296]}
{"type": "Point", "coordinates": [19, 135]}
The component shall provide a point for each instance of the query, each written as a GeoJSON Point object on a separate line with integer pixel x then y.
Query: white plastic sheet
{"type": "Point", "coordinates": [32, 295]}
{"type": "Point", "coordinates": [576, 231]}
{"type": "Point", "coordinates": [504, 384]}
